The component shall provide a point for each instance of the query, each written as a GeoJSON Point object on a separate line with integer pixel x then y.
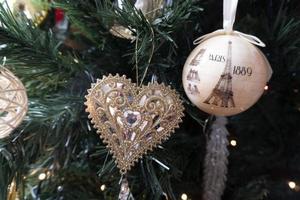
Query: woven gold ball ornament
{"type": "Point", "coordinates": [132, 120]}
{"type": "Point", "coordinates": [226, 73]}
{"type": "Point", "coordinates": [150, 8]}
{"type": "Point", "coordinates": [36, 10]}
{"type": "Point", "coordinates": [13, 102]}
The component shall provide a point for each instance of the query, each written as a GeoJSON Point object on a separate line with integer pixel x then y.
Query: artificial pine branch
{"type": "Point", "coordinates": [150, 35]}
{"type": "Point", "coordinates": [58, 134]}
{"type": "Point", "coordinates": [35, 54]}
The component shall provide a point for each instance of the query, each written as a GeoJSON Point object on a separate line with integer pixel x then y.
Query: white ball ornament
{"type": "Point", "coordinates": [225, 74]}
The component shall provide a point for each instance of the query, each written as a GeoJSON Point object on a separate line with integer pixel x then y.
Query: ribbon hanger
{"type": "Point", "coordinates": [229, 13]}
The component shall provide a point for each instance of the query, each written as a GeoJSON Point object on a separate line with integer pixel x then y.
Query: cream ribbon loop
{"type": "Point", "coordinates": [250, 38]}
{"type": "Point", "coordinates": [229, 12]}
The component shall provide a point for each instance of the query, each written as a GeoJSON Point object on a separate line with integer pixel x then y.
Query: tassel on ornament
{"type": "Point", "coordinates": [125, 193]}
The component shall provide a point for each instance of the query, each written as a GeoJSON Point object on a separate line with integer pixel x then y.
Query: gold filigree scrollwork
{"type": "Point", "coordinates": [132, 120]}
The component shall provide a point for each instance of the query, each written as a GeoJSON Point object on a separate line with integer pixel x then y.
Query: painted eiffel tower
{"type": "Point", "coordinates": [222, 94]}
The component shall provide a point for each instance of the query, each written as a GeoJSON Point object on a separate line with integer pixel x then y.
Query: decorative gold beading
{"type": "Point", "coordinates": [132, 120]}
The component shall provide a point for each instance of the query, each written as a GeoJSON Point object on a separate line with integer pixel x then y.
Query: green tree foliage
{"type": "Point", "coordinates": [58, 139]}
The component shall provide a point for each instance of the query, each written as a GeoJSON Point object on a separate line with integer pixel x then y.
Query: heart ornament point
{"type": "Point", "coordinates": [132, 120]}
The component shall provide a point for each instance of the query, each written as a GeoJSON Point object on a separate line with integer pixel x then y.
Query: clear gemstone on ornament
{"type": "Point", "coordinates": [129, 135]}
{"type": "Point", "coordinates": [103, 118]}
{"type": "Point", "coordinates": [160, 129]}
{"type": "Point", "coordinates": [130, 99]}
{"type": "Point", "coordinates": [133, 136]}
{"type": "Point", "coordinates": [137, 145]}
{"type": "Point", "coordinates": [126, 135]}
{"type": "Point", "coordinates": [120, 85]}
{"type": "Point", "coordinates": [149, 136]}
{"type": "Point", "coordinates": [111, 130]}
{"type": "Point", "coordinates": [143, 125]}
{"type": "Point", "coordinates": [132, 118]}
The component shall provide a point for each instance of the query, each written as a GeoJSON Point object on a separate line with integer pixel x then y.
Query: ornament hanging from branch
{"type": "Point", "coordinates": [226, 73]}
{"type": "Point", "coordinates": [13, 102]}
{"type": "Point", "coordinates": [216, 160]}
{"type": "Point", "coordinates": [37, 11]}
{"type": "Point", "coordinates": [150, 8]}
{"type": "Point", "coordinates": [125, 193]}
{"type": "Point", "coordinates": [45, 17]}
{"type": "Point", "coordinates": [132, 120]}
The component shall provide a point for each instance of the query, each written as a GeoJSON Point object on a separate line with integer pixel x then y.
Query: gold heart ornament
{"type": "Point", "coordinates": [132, 120]}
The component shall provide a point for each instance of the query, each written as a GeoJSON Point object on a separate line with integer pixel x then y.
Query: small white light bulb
{"type": "Point", "coordinates": [233, 143]}
{"type": "Point", "coordinates": [42, 176]}
{"type": "Point", "coordinates": [103, 187]}
{"type": "Point", "coordinates": [266, 87]}
{"type": "Point", "coordinates": [184, 196]}
{"type": "Point", "coordinates": [292, 185]}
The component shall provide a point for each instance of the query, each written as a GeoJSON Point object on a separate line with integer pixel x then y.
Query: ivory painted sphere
{"type": "Point", "coordinates": [225, 75]}
{"type": "Point", "coordinates": [13, 102]}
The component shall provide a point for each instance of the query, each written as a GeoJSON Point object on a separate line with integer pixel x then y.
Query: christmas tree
{"type": "Point", "coordinates": [59, 48]}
